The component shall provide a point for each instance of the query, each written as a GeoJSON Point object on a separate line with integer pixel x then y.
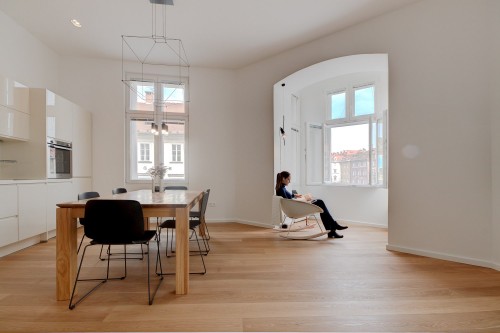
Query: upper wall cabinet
{"type": "Point", "coordinates": [14, 110]}
{"type": "Point", "coordinates": [59, 115]}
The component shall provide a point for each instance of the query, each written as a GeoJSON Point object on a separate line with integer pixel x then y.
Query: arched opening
{"type": "Point", "coordinates": [330, 123]}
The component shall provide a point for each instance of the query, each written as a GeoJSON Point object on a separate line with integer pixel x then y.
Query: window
{"type": "Point", "coordinates": [354, 135]}
{"type": "Point", "coordinates": [176, 153]}
{"type": "Point", "coordinates": [144, 152]}
{"type": "Point", "coordinates": [156, 100]}
{"type": "Point", "coordinates": [364, 101]}
{"type": "Point", "coordinates": [338, 105]}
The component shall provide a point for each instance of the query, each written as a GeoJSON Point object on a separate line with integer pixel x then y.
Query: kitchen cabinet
{"type": "Point", "coordinates": [14, 125]}
{"type": "Point", "coordinates": [28, 209]}
{"type": "Point", "coordinates": [8, 215]}
{"type": "Point", "coordinates": [50, 115]}
{"type": "Point", "coordinates": [57, 192]}
{"type": "Point", "coordinates": [59, 113]}
{"type": "Point", "coordinates": [32, 209]}
{"type": "Point", "coordinates": [14, 110]}
{"type": "Point", "coordinates": [14, 95]}
{"type": "Point", "coordinates": [82, 143]}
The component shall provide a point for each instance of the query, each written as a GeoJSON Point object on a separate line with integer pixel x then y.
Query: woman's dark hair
{"type": "Point", "coordinates": [279, 178]}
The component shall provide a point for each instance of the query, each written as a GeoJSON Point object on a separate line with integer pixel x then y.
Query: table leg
{"type": "Point", "coordinates": [182, 251]}
{"type": "Point", "coordinates": [66, 258]}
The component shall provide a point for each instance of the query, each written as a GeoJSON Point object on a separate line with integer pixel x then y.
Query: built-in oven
{"type": "Point", "coordinates": [59, 162]}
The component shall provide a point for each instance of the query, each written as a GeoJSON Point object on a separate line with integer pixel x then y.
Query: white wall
{"type": "Point", "coordinates": [494, 85]}
{"type": "Point", "coordinates": [440, 64]}
{"type": "Point", "coordinates": [24, 58]}
{"type": "Point", "coordinates": [96, 85]}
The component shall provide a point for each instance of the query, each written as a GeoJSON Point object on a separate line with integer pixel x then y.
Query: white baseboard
{"type": "Point", "coordinates": [255, 223]}
{"type": "Point", "coordinates": [443, 256]}
{"type": "Point", "coordinates": [11, 248]}
{"type": "Point", "coordinates": [367, 224]}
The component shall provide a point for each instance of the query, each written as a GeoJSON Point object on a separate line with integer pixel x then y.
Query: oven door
{"type": "Point", "coordinates": [58, 161]}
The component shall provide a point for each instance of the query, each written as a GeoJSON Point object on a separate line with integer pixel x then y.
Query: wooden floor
{"type": "Point", "coordinates": [257, 281]}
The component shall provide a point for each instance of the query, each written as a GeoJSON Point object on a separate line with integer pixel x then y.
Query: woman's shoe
{"type": "Point", "coordinates": [338, 226]}
{"type": "Point", "coordinates": [334, 234]}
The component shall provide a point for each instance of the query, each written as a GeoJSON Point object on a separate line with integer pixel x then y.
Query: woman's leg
{"type": "Point", "coordinates": [326, 218]}
{"type": "Point", "coordinates": [328, 221]}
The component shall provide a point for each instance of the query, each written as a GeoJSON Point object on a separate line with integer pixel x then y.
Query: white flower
{"type": "Point", "coordinates": [158, 171]}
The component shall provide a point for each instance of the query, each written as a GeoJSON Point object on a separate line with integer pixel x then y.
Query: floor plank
{"type": "Point", "coordinates": [258, 281]}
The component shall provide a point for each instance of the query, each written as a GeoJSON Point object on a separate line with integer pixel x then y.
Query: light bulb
{"type": "Point", "coordinates": [164, 128]}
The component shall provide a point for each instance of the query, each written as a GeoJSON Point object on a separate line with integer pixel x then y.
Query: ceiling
{"type": "Point", "coordinates": [215, 33]}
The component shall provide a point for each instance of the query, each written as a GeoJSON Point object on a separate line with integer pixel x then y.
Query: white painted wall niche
{"type": "Point", "coordinates": [365, 205]}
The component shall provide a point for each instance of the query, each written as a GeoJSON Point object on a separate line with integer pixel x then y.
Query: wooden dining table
{"type": "Point", "coordinates": [170, 203]}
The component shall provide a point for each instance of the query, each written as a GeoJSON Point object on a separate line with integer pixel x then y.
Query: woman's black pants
{"type": "Point", "coordinates": [326, 218]}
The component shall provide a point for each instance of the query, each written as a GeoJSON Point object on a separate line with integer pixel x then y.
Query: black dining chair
{"type": "Point", "coordinates": [175, 187]}
{"type": "Point", "coordinates": [116, 222]}
{"type": "Point", "coordinates": [119, 190]}
{"type": "Point", "coordinates": [170, 225]}
{"type": "Point", "coordinates": [200, 215]}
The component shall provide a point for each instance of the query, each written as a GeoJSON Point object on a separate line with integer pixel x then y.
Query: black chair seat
{"type": "Point", "coordinates": [148, 235]}
{"type": "Point", "coordinates": [170, 224]}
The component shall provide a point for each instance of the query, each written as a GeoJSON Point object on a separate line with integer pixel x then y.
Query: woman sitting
{"type": "Point", "coordinates": [283, 179]}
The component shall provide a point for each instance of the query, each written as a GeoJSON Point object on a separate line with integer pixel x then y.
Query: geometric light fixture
{"type": "Point", "coordinates": [145, 58]}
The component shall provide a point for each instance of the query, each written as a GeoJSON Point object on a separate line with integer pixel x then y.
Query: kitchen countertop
{"type": "Point", "coordinates": [32, 181]}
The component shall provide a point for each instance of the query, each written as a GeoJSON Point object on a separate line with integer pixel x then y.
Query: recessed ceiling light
{"type": "Point", "coordinates": [76, 23]}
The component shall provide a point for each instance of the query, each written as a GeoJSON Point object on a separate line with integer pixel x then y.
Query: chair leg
{"type": "Point", "coordinates": [81, 242]}
{"type": "Point", "coordinates": [142, 253]}
{"type": "Point", "coordinates": [171, 241]}
{"type": "Point", "coordinates": [200, 252]}
{"type": "Point", "coordinates": [102, 281]}
{"type": "Point", "coordinates": [206, 231]}
{"type": "Point", "coordinates": [158, 263]}
{"type": "Point", "coordinates": [205, 242]}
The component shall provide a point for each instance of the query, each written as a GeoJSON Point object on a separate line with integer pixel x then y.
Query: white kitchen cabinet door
{"type": "Point", "coordinates": [59, 113]}
{"type": "Point", "coordinates": [82, 143]}
{"type": "Point", "coordinates": [14, 95]}
{"type": "Point", "coordinates": [8, 215]}
{"type": "Point", "coordinates": [57, 192]}
{"type": "Point", "coordinates": [8, 200]}
{"type": "Point", "coordinates": [14, 124]}
{"type": "Point", "coordinates": [32, 209]}
{"type": "Point", "coordinates": [8, 230]}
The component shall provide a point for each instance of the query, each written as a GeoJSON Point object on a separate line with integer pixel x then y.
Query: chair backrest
{"type": "Point", "coordinates": [172, 187]}
{"type": "Point", "coordinates": [119, 190]}
{"type": "Point", "coordinates": [113, 221]}
{"type": "Point", "coordinates": [88, 195]}
{"type": "Point", "coordinates": [204, 202]}
{"type": "Point", "coordinates": [296, 209]}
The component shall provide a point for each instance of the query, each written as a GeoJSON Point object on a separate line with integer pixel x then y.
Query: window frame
{"type": "Point", "coordinates": [350, 103]}
{"type": "Point", "coordinates": [378, 116]}
{"type": "Point", "coordinates": [157, 115]}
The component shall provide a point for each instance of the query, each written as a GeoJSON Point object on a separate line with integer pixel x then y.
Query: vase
{"type": "Point", "coordinates": [160, 185]}
{"type": "Point", "coordinates": [153, 184]}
